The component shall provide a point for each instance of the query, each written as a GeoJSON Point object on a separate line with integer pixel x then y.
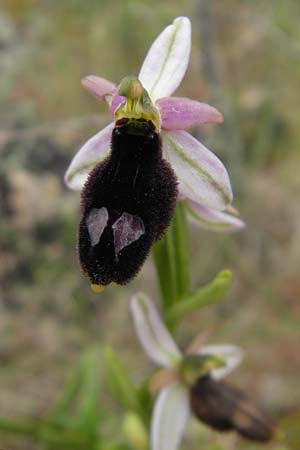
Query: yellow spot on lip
{"type": "Point", "coordinates": [97, 288]}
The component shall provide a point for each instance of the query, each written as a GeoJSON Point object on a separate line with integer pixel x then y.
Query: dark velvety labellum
{"type": "Point", "coordinates": [225, 408]}
{"type": "Point", "coordinates": [127, 204]}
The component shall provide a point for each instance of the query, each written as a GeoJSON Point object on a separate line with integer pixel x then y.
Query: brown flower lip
{"type": "Point", "coordinates": [225, 408]}
{"type": "Point", "coordinates": [127, 204]}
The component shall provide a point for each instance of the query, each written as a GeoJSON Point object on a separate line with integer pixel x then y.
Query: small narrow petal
{"type": "Point", "coordinates": [213, 220]}
{"type": "Point", "coordinates": [202, 176]}
{"type": "Point", "coordinates": [167, 60]}
{"type": "Point", "coordinates": [170, 415]}
{"type": "Point", "coordinates": [232, 354]}
{"type": "Point", "coordinates": [116, 101]}
{"type": "Point", "coordinates": [181, 113]}
{"type": "Point", "coordinates": [91, 153]}
{"type": "Point", "coordinates": [99, 87]}
{"type": "Point", "coordinates": [153, 335]}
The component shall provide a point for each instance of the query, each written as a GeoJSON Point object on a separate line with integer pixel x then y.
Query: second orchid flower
{"type": "Point", "coordinates": [191, 382]}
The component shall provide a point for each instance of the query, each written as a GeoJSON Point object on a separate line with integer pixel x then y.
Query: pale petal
{"type": "Point", "coordinates": [167, 60]}
{"type": "Point", "coordinates": [202, 176]}
{"type": "Point", "coordinates": [99, 87]}
{"type": "Point", "coordinates": [179, 113]}
{"type": "Point", "coordinates": [170, 415]}
{"type": "Point", "coordinates": [116, 101]}
{"type": "Point", "coordinates": [90, 154]}
{"type": "Point", "coordinates": [212, 219]}
{"type": "Point", "coordinates": [232, 354]}
{"type": "Point", "coordinates": [153, 335]}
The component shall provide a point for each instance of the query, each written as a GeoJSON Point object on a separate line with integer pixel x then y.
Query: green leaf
{"type": "Point", "coordinates": [77, 405]}
{"type": "Point", "coordinates": [146, 402]}
{"type": "Point", "coordinates": [204, 296]}
{"type": "Point", "coordinates": [47, 433]}
{"type": "Point", "coordinates": [88, 414]}
{"type": "Point", "coordinates": [120, 384]}
{"type": "Point", "coordinates": [60, 410]}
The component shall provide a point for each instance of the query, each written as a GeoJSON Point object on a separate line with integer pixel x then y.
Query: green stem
{"type": "Point", "coordinates": [171, 261]}
{"type": "Point", "coordinates": [181, 247]}
{"type": "Point", "coordinates": [161, 261]}
{"type": "Point", "coordinates": [171, 257]}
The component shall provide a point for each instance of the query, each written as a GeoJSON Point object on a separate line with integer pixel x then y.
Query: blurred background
{"type": "Point", "coordinates": [245, 61]}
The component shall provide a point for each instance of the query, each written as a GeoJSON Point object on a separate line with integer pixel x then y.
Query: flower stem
{"type": "Point", "coordinates": [171, 257]}
{"type": "Point", "coordinates": [181, 250]}
{"type": "Point", "coordinates": [165, 277]}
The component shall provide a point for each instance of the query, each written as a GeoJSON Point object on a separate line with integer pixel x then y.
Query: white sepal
{"type": "Point", "coordinates": [153, 335]}
{"type": "Point", "coordinates": [202, 176]}
{"type": "Point", "coordinates": [212, 219]}
{"type": "Point", "coordinates": [170, 415]}
{"type": "Point", "coordinates": [232, 354]}
{"type": "Point", "coordinates": [91, 153]}
{"type": "Point", "coordinates": [167, 60]}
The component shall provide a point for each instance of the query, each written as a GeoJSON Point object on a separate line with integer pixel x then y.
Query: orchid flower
{"type": "Point", "coordinates": [202, 179]}
{"type": "Point", "coordinates": [191, 382]}
{"type": "Point", "coordinates": [135, 169]}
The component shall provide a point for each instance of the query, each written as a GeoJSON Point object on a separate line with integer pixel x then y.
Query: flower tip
{"type": "Point", "coordinates": [235, 214]}
{"type": "Point", "coordinates": [73, 182]}
{"type": "Point", "coordinates": [219, 117]}
{"type": "Point", "coordinates": [233, 211]}
{"type": "Point", "coordinates": [185, 21]}
{"type": "Point", "coordinates": [97, 288]}
{"type": "Point", "coordinates": [240, 225]}
{"type": "Point", "coordinates": [86, 80]}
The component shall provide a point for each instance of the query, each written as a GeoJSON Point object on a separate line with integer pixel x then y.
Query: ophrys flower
{"type": "Point", "coordinates": [192, 382]}
{"type": "Point", "coordinates": [115, 234]}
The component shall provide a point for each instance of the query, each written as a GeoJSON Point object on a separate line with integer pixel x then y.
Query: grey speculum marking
{"type": "Point", "coordinates": [96, 221]}
{"type": "Point", "coordinates": [126, 229]}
